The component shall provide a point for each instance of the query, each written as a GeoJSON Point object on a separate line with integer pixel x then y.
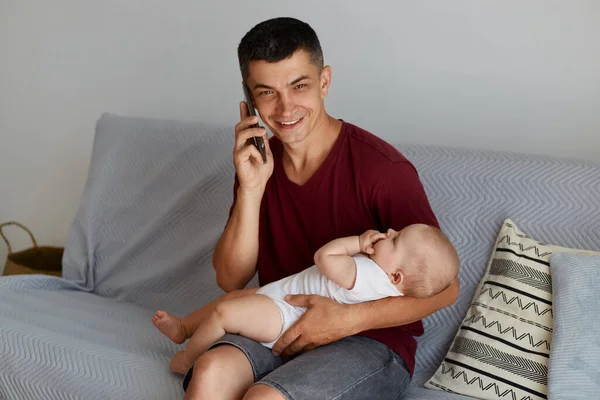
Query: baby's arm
{"type": "Point", "coordinates": [335, 261]}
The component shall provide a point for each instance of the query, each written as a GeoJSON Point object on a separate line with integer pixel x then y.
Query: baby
{"type": "Point", "coordinates": [418, 261]}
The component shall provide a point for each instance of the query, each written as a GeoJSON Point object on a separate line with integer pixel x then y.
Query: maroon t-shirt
{"type": "Point", "coordinates": [364, 183]}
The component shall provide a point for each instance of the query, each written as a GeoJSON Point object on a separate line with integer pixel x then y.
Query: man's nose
{"type": "Point", "coordinates": [285, 105]}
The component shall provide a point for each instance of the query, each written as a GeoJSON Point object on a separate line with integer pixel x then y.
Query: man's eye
{"type": "Point", "coordinates": [301, 85]}
{"type": "Point", "coordinates": [265, 92]}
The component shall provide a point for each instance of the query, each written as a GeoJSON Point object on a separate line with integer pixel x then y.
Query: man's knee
{"type": "Point", "coordinates": [222, 368]}
{"type": "Point", "coordinates": [209, 367]}
{"type": "Point", "coordinates": [263, 392]}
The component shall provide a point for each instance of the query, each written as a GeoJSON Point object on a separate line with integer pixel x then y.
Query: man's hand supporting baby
{"type": "Point", "coordinates": [326, 320]}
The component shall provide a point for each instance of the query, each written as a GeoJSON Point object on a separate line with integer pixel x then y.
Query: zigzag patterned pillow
{"type": "Point", "coordinates": [502, 348]}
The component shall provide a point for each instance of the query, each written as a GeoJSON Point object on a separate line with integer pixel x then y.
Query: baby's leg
{"type": "Point", "coordinates": [254, 316]}
{"type": "Point", "coordinates": [192, 320]}
{"type": "Point", "coordinates": [180, 329]}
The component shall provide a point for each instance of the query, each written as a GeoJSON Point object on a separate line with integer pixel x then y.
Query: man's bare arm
{"type": "Point", "coordinates": [236, 252]}
{"type": "Point", "coordinates": [395, 311]}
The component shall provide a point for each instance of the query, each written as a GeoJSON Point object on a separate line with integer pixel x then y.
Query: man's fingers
{"type": "Point", "coordinates": [243, 136]}
{"type": "Point", "coordinates": [298, 300]}
{"type": "Point", "coordinates": [309, 347]}
{"type": "Point", "coordinates": [296, 346]}
{"type": "Point", "coordinates": [250, 151]}
{"type": "Point", "coordinates": [267, 145]}
{"type": "Point", "coordinates": [255, 154]}
{"type": "Point", "coordinates": [243, 110]}
{"type": "Point", "coordinates": [285, 340]}
{"type": "Point", "coordinates": [246, 123]}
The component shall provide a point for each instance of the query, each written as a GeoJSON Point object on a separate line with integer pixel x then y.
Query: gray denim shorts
{"type": "Point", "coordinates": [355, 367]}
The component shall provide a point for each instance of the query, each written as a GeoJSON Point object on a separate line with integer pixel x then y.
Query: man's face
{"type": "Point", "coordinates": [289, 95]}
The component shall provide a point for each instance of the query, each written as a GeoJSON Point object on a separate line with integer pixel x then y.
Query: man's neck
{"type": "Point", "coordinates": [301, 161]}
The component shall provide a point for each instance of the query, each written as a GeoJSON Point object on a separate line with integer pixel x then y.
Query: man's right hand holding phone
{"type": "Point", "coordinates": [236, 252]}
{"type": "Point", "coordinates": [251, 172]}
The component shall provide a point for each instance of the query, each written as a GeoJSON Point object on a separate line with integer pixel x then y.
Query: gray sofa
{"type": "Point", "coordinates": [154, 204]}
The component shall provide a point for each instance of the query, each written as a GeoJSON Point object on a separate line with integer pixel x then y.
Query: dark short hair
{"type": "Point", "coordinates": [275, 40]}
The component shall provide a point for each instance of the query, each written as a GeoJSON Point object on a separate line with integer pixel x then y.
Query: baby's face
{"type": "Point", "coordinates": [391, 252]}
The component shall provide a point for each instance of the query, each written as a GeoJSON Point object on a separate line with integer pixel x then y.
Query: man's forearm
{"type": "Point", "coordinates": [236, 252]}
{"type": "Point", "coordinates": [396, 311]}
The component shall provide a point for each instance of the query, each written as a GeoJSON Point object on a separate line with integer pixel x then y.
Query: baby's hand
{"type": "Point", "coordinates": [368, 239]}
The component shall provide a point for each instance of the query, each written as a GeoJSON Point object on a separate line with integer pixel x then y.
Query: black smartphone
{"type": "Point", "coordinates": [257, 141]}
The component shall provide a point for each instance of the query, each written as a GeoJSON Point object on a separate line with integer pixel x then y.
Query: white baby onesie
{"type": "Point", "coordinates": [371, 283]}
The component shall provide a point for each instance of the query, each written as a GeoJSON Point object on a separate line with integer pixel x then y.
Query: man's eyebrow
{"type": "Point", "coordinates": [303, 77]}
{"type": "Point", "coordinates": [263, 86]}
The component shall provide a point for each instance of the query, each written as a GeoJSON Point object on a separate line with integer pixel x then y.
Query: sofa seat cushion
{"type": "Point", "coordinates": [58, 342]}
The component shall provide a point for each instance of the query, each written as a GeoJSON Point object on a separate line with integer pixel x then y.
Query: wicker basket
{"type": "Point", "coordinates": [35, 260]}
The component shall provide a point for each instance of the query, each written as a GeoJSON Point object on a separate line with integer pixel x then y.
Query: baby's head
{"type": "Point", "coordinates": [419, 259]}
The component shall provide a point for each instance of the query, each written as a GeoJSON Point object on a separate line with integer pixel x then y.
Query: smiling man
{"type": "Point", "coordinates": [324, 178]}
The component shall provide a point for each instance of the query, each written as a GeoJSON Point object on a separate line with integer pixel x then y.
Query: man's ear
{"type": "Point", "coordinates": [397, 277]}
{"type": "Point", "coordinates": [325, 81]}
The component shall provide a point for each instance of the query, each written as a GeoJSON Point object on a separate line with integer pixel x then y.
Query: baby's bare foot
{"type": "Point", "coordinates": [170, 326]}
{"type": "Point", "coordinates": [178, 363]}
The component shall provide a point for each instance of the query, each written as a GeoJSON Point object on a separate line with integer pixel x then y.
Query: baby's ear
{"type": "Point", "coordinates": [397, 277]}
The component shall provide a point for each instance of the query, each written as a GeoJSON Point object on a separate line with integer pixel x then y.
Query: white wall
{"type": "Point", "coordinates": [505, 74]}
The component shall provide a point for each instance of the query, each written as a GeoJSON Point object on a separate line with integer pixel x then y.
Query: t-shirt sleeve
{"type": "Point", "coordinates": [399, 199]}
{"type": "Point", "coordinates": [371, 283]}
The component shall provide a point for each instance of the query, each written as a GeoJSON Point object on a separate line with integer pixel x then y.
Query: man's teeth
{"type": "Point", "coordinates": [290, 123]}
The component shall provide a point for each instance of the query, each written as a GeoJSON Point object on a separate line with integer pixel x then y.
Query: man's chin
{"type": "Point", "coordinates": [289, 138]}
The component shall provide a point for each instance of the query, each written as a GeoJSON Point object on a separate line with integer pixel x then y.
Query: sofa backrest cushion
{"type": "Point", "coordinates": [155, 202]}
